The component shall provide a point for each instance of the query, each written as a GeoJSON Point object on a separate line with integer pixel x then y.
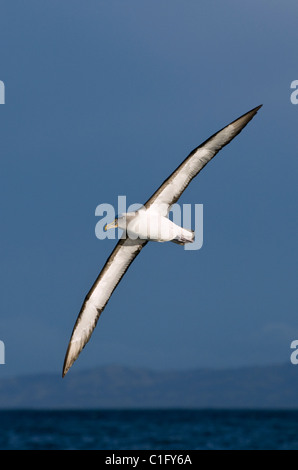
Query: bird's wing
{"type": "Point", "coordinates": [172, 188]}
{"type": "Point", "coordinates": [116, 266]}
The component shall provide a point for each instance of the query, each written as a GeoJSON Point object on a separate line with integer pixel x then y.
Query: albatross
{"type": "Point", "coordinates": [150, 223]}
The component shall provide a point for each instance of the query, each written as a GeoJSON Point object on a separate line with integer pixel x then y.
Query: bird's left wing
{"type": "Point", "coordinates": [172, 188]}
{"type": "Point", "coordinates": [116, 266]}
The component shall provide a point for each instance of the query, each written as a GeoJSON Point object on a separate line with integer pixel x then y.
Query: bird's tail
{"type": "Point", "coordinates": [186, 236]}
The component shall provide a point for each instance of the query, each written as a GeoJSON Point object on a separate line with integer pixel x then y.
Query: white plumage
{"type": "Point", "coordinates": [149, 224]}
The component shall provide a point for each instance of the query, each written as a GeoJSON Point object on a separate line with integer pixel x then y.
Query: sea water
{"type": "Point", "coordinates": [148, 430]}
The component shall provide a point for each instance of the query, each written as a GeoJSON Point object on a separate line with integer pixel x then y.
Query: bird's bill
{"type": "Point", "coordinates": [113, 224]}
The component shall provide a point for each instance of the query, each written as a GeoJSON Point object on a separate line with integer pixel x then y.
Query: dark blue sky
{"type": "Point", "coordinates": [107, 98]}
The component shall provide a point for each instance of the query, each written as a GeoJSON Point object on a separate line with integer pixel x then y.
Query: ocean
{"type": "Point", "coordinates": [148, 430]}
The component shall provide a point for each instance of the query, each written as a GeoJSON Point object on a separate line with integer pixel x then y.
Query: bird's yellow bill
{"type": "Point", "coordinates": [113, 224]}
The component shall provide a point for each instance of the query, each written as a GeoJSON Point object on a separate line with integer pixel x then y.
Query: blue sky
{"type": "Point", "coordinates": [106, 99]}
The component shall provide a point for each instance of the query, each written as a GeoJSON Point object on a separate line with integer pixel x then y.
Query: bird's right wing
{"type": "Point", "coordinates": [116, 266]}
{"type": "Point", "coordinates": [172, 188]}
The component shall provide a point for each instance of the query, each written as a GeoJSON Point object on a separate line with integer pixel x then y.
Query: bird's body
{"type": "Point", "coordinates": [148, 224]}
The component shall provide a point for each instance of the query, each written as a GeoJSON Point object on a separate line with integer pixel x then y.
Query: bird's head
{"type": "Point", "coordinates": [120, 221]}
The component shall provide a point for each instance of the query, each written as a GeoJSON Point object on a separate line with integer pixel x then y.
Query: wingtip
{"type": "Point", "coordinates": [73, 351]}
{"type": "Point", "coordinates": [64, 370]}
{"type": "Point", "coordinates": [256, 109]}
{"type": "Point", "coordinates": [245, 118]}
{"type": "Point", "coordinates": [68, 362]}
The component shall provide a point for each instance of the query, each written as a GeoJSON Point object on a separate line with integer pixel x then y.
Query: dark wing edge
{"type": "Point", "coordinates": [207, 150]}
{"type": "Point", "coordinates": [114, 269]}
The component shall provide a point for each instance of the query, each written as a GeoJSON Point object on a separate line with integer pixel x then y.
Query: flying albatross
{"type": "Point", "coordinates": [150, 223]}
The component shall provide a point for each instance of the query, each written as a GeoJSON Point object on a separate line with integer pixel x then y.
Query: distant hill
{"type": "Point", "coordinates": [273, 387]}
